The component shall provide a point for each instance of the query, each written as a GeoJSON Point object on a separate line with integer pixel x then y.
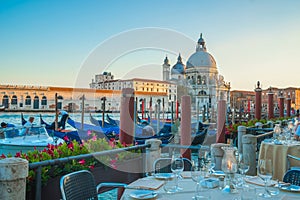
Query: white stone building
{"type": "Point", "coordinates": [201, 78]}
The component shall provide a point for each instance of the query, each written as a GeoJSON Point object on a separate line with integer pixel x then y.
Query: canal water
{"type": "Point", "coordinates": [15, 117]}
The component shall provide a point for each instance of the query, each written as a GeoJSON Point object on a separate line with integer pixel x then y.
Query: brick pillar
{"type": "Point", "coordinates": [281, 104]}
{"type": "Point", "coordinates": [221, 121]}
{"type": "Point", "coordinates": [288, 106]}
{"type": "Point", "coordinates": [258, 91]}
{"type": "Point", "coordinates": [185, 126]}
{"type": "Point", "coordinates": [127, 116]}
{"type": "Point", "coordinates": [270, 104]}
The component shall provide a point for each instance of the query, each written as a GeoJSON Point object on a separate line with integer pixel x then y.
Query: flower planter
{"type": "Point", "coordinates": [126, 172]}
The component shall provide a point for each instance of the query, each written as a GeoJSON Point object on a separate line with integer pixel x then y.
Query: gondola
{"type": "Point", "coordinates": [96, 122]}
{"type": "Point", "coordinates": [108, 132]}
{"type": "Point", "coordinates": [199, 137]}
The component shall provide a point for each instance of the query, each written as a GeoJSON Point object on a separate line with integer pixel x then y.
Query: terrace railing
{"type": "Point", "coordinates": [38, 165]}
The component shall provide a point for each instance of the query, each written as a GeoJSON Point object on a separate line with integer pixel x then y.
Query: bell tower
{"type": "Point", "coordinates": [166, 70]}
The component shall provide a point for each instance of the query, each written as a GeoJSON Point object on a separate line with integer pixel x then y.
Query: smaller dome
{"type": "Point", "coordinates": [179, 67]}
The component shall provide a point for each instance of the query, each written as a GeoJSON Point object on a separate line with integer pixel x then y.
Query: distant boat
{"type": "Point", "coordinates": [24, 139]}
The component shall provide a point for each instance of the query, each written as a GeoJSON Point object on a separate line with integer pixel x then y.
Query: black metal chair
{"type": "Point", "coordinates": [292, 176]}
{"type": "Point", "coordinates": [81, 185]}
{"type": "Point", "coordinates": [163, 165]}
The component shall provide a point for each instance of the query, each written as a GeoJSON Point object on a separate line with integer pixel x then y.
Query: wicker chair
{"type": "Point", "coordinates": [163, 165]}
{"type": "Point", "coordinates": [81, 185]}
{"type": "Point", "coordinates": [292, 176]}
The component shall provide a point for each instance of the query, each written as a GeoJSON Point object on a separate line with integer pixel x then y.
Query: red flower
{"type": "Point", "coordinates": [94, 138]}
{"type": "Point", "coordinates": [66, 138]}
{"type": "Point", "coordinates": [18, 154]}
{"type": "Point", "coordinates": [70, 145]}
{"type": "Point", "coordinates": [3, 156]}
{"type": "Point", "coordinates": [89, 132]}
{"type": "Point", "coordinates": [91, 166]}
{"type": "Point", "coordinates": [82, 162]}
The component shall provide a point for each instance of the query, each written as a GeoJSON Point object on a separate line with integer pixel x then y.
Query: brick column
{"type": "Point", "coordinates": [281, 104]}
{"type": "Point", "coordinates": [270, 104]}
{"type": "Point", "coordinates": [288, 106]}
{"type": "Point", "coordinates": [127, 116]}
{"type": "Point", "coordinates": [258, 91]}
{"type": "Point", "coordinates": [221, 121]}
{"type": "Point", "coordinates": [185, 126]}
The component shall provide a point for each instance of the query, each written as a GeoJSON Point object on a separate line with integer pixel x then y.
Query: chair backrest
{"type": "Point", "coordinates": [293, 162]}
{"type": "Point", "coordinates": [292, 177]}
{"type": "Point", "coordinates": [78, 185]}
{"type": "Point", "coordinates": [163, 165]}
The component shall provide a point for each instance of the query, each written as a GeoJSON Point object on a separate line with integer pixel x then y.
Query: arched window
{"type": "Point", "coordinates": [5, 101]}
{"type": "Point", "coordinates": [14, 100]}
{"type": "Point", "coordinates": [199, 82]}
{"type": "Point", "coordinates": [36, 102]}
{"type": "Point", "coordinates": [28, 100]}
{"type": "Point", "coordinates": [204, 80]}
{"type": "Point", "coordinates": [44, 101]}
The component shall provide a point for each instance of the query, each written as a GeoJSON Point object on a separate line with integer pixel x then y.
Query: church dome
{"type": "Point", "coordinates": [201, 58]}
{"type": "Point", "coordinates": [179, 67]}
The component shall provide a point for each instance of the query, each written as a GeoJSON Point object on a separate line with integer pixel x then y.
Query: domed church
{"type": "Point", "coordinates": [201, 79]}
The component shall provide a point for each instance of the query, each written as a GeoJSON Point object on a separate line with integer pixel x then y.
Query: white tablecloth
{"type": "Point", "coordinates": [216, 194]}
{"type": "Point", "coordinates": [278, 154]}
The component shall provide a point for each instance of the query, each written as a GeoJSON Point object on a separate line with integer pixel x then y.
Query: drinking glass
{"type": "Point", "coordinates": [197, 176]}
{"type": "Point", "coordinates": [177, 166]}
{"type": "Point", "coordinates": [243, 166]}
{"type": "Point", "coordinates": [265, 172]}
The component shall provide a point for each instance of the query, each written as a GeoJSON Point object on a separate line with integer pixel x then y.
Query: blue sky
{"type": "Point", "coordinates": [50, 42]}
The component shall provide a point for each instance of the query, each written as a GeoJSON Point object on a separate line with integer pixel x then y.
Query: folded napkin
{"type": "Point", "coordinates": [258, 181]}
{"type": "Point", "coordinates": [148, 184]}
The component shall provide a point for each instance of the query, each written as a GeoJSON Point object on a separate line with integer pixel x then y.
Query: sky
{"type": "Point", "coordinates": [66, 43]}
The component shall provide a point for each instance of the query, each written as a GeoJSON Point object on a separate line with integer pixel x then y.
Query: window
{"type": "Point", "coordinates": [28, 100]}
{"type": "Point", "coordinates": [14, 100]}
{"type": "Point", "coordinates": [44, 101]}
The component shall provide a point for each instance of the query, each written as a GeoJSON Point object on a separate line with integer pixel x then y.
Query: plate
{"type": "Point", "coordinates": [290, 188]}
{"type": "Point", "coordinates": [143, 194]}
{"type": "Point", "coordinates": [164, 176]}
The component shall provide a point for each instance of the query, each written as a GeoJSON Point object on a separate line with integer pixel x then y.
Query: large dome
{"type": "Point", "coordinates": [201, 58]}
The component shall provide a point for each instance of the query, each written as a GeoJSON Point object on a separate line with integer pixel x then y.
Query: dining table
{"type": "Point", "coordinates": [188, 188]}
{"type": "Point", "coordinates": [277, 151]}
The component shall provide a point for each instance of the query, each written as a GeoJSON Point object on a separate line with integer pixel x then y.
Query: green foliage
{"type": "Point", "coordinates": [72, 149]}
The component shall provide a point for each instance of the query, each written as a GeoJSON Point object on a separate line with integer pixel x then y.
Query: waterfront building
{"type": "Point", "coordinates": [200, 79]}
{"type": "Point", "coordinates": [42, 98]}
{"type": "Point", "coordinates": [166, 91]}
{"type": "Point", "coordinates": [242, 103]}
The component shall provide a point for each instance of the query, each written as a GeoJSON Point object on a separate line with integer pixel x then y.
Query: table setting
{"type": "Point", "coordinates": [202, 182]}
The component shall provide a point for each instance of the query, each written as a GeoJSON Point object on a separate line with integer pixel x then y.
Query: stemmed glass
{"type": "Point", "coordinates": [265, 172]}
{"type": "Point", "coordinates": [177, 166]}
{"type": "Point", "coordinates": [243, 166]}
{"type": "Point", "coordinates": [196, 175]}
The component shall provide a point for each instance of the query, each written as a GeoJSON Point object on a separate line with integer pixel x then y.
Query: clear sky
{"type": "Point", "coordinates": [54, 42]}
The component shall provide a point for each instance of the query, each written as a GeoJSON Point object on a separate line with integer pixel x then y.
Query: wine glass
{"type": "Point", "coordinates": [265, 172]}
{"type": "Point", "coordinates": [177, 166]}
{"type": "Point", "coordinates": [243, 166]}
{"type": "Point", "coordinates": [196, 175]}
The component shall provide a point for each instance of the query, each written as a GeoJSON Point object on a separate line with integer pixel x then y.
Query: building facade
{"type": "Point", "coordinates": [36, 98]}
{"type": "Point", "coordinates": [201, 79]}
